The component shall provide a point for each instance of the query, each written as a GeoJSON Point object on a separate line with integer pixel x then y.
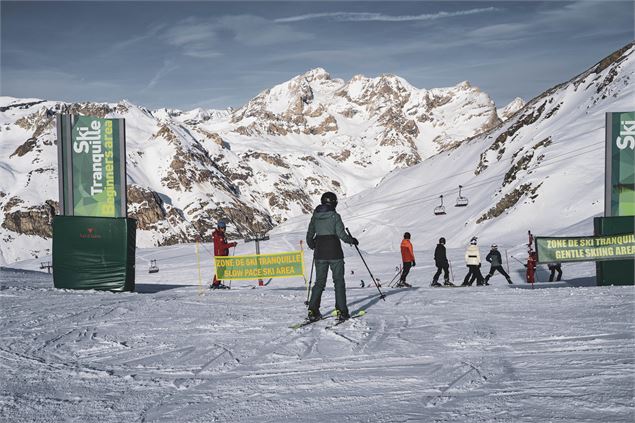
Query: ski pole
{"type": "Point", "coordinates": [524, 264]}
{"type": "Point", "coordinates": [394, 277]}
{"type": "Point", "coordinates": [381, 294]}
{"type": "Point", "coordinates": [308, 290]}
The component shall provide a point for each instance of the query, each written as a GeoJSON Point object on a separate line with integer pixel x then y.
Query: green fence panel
{"type": "Point", "coordinates": [616, 272]}
{"type": "Point", "coordinates": [94, 253]}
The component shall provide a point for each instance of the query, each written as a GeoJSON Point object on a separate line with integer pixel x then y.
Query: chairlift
{"type": "Point", "coordinates": [153, 267]}
{"type": "Point", "coordinates": [460, 200]}
{"type": "Point", "coordinates": [439, 210]}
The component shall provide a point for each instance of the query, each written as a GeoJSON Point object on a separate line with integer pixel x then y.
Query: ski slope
{"type": "Point", "coordinates": [174, 352]}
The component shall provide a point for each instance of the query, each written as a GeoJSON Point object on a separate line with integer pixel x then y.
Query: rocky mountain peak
{"type": "Point", "coordinates": [511, 108]}
{"type": "Point", "coordinates": [316, 74]}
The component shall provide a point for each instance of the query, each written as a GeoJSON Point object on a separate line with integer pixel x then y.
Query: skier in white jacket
{"type": "Point", "coordinates": [473, 261]}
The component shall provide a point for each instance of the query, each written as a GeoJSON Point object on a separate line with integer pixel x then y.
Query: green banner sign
{"type": "Point", "coordinates": [279, 265]}
{"type": "Point", "coordinates": [92, 166]}
{"type": "Point", "coordinates": [620, 164]}
{"type": "Point", "coordinates": [585, 248]}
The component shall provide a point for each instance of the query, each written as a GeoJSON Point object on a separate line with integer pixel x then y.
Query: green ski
{"type": "Point", "coordinates": [355, 315]}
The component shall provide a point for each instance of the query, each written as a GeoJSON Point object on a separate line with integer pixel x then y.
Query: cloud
{"type": "Point", "coordinates": [194, 37]}
{"type": "Point", "coordinates": [206, 38]}
{"type": "Point", "coordinates": [168, 66]}
{"type": "Point", "coordinates": [380, 17]}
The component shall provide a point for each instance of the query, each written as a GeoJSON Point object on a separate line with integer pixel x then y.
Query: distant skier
{"type": "Point", "coordinates": [442, 263]}
{"type": "Point", "coordinates": [494, 258]}
{"type": "Point", "coordinates": [408, 259]}
{"type": "Point", "coordinates": [555, 267]}
{"type": "Point", "coordinates": [221, 248]}
{"type": "Point", "coordinates": [473, 261]}
{"type": "Point", "coordinates": [324, 234]}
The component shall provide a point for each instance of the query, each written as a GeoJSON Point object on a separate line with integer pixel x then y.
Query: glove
{"type": "Point", "coordinates": [311, 245]}
{"type": "Point", "coordinates": [354, 241]}
{"type": "Point", "coordinates": [413, 263]}
{"type": "Point", "coordinates": [233, 244]}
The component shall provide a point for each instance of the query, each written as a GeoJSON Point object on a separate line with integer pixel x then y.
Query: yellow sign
{"type": "Point", "coordinates": [257, 266]}
{"type": "Point", "coordinates": [585, 248]}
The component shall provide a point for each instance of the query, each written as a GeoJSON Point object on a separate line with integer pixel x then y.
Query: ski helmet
{"type": "Point", "coordinates": [473, 240]}
{"type": "Point", "coordinates": [221, 224]}
{"type": "Point", "coordinates": [494, 246]}
{"type": "Point", "coordinates": [441, 240]}
{"type": "Point", "coordinates": [329, 198]}
{"type": "Point", "coordinates": [406, 235]}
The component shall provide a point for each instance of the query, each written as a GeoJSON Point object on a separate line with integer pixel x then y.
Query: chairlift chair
{"type": "Point", "coordinates": [460, 200]}
{"type": "Point", "coordinates": [439, 210]}
{"type": "Point", "coordinates": [153, 267]}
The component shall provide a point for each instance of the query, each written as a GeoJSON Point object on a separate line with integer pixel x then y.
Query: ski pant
{"type": "Point", "coordinates": [442, 268]}
{"type": "Point", "coordinates": [500, 270]}
{"type": "Point", "coordinates": [553, 273]}
{"type": "Point", "coordinates": [473, 274]}
{"type": "Point", "coordinates": [405, 270]}
{"type": "Point", "coordinates": [321, 271]}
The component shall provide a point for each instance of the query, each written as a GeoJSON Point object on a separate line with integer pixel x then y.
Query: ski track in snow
{"type": "Point", "coordinates": [486, 354]}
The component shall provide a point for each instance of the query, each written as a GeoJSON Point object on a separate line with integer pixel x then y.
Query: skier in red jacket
{"type": "Point", "coordinates": [408, 259]}
{"type": "Point", "coordinates": [221, 248]}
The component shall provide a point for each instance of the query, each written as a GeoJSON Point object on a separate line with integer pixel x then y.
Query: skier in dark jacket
{"type": "Point", "coordinates": [442, 263]}
{"type": "Point", "coordinates": [221, 248]}
{"type": "Point", "coordinates": [494, 258]}
{"type": "Point", "coordinates": [324, 234]}
{"type": "Point", "coordinates": [555, 267]}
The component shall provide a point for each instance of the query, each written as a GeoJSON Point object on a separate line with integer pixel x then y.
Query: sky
{"type": "Point", "coordinates": [221, 54]}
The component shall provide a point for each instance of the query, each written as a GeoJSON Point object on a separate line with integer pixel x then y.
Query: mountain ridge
{"type": "Point", "coordinates": [260, 164]}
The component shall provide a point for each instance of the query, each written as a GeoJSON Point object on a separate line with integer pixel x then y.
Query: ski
{"type": "Point", "coordinates": [450, 286]}
{"type": "Point", "coordinates": [307, 322]}
{"type": "Point", "coordinates": [355, 315]}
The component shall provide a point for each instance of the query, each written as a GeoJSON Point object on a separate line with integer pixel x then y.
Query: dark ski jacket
{"type": "Point", "coordinates": [494, 257]}
{"type": "Point", "coordinates": [325, 231]}
{"type": "Point", "coordinates": [440, 258]}
{"type": "Point", "coordinates": [221, 246]}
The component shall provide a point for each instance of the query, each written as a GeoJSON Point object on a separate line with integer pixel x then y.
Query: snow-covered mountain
{"type": "Point", "coordinates": [540, 170]}
{"type": "Point", "coordinates": [513, 106]}
{"type": "Point", "coordinates": [256, 166]}
{"type": "Point", "coordinates": [269, 160]}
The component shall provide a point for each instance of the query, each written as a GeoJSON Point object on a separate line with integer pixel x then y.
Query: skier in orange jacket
{"type": "Point", "coordinates": [408, 259]}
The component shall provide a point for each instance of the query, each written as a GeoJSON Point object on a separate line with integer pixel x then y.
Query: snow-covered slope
{"type": "Point", "coordinates": [171, 352]}
{"type": "Point", "coordinates": [541, 170]}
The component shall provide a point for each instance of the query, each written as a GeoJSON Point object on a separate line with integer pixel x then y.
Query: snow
{"type": "Point", "coordinates": [173, 351]}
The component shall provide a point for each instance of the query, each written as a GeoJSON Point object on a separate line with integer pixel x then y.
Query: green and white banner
{"type": "Point", "coordinates": [92, 161]}
{"type": "Point", "coordinates": [257, 266]}
{"type": "Point", "coordinates": [620, 164]}
{"type": "Point", "coordinates": [585, 248]}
